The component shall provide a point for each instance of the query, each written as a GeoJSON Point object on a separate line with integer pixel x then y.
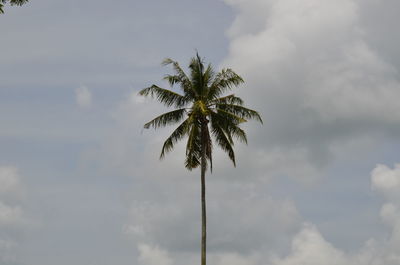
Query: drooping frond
{"type": "Point", "coordinates": [165, 119]}
{"type": "Point", "coordinates": [165, 96]}
{"type": "Point", "coordinates": [230, 127]}
{"type": "Point", "coordinates": [177, 135]}
{"type": "Point", "coordinates": [240, 111]}
{"type": "Point", "coordinates": [193, 147]}
{"type": "Point", "coordinates": [222, 138]}
{"type": "Point", "coordinates": [224, 81]}
{"type": "Point", "coordinates": [230, 117]}
{"type": "Point", "coordinates": [206, 142]}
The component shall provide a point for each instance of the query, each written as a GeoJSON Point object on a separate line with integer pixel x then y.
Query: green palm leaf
{"type": "Point", "coordinates": [193, 147]}
{"type": "Point", "coordinates": [224, 81]}
{"type": "Point", "coordinates": [165, 96]}
{"type": "Point", "coordinates": [165, 119]}
{"type": "Point", "coordinates": [177, 135]}
{"type": "Point", "coordinates": [230, 99]}
{"type": "Point", "coordinates": [240, 111]}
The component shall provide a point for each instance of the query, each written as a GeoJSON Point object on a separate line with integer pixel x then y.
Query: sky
{"type": "Point", "coordinates": [318, 183]}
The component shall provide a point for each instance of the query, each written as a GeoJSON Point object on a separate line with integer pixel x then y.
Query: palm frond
{"type": "Point", "coordinates": [206, 143]}
{"type": "Point", "coordinates": [230, 117]}
{"type": "Point", "coordinates": [180, 77]}
{"type": "Point", "coordinates": [193, 147]}
{"type": "Point", "coordinates": [230, 128]}
{"type": "Point", "coordinates": [165, 96]}
{"type": "Point", "coordinates": [222, 138]}
{"type": "Point", "coordinates": [17, 2]}
{"type": "Point", "coordinates": [229, 99]}
{"type": "Point", "coordinates": [240, 111]}
{"type": "Point", "coordinates": [165, 119]}
{"type": "Point", "coordinates": [177, 135]}
{"type": "Point", "coordinates": [224, 81]}
{"type": "Point", "coordinates": [12, 2]}
{"type": "Point", "coordinates": [189, 93]}
{"type": "Point", "coordinates": [209, 75]}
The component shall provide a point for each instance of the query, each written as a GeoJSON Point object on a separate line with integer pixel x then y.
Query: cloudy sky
{"type": "Point", "coordinates": [318, 183]}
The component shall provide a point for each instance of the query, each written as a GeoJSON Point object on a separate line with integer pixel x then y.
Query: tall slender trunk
{"type": "Point", "coordinates": [203, 197]}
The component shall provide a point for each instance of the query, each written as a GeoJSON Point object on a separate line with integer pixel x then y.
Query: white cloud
{"type": "Point", "coordinates": [385, 179]}
{"type": "Point", "coordinates": [314, 77]}
{"type": "Point", "coordinates": [310, 248]}
{"type": "Point", "coordinates": [10, 215]}
{"type": "Point", "coordinates": [83, 97]}
{"type": "Point", "coordinates": [153, 255]}
{"type": "Point", "coordinates": [10, 187]}
{"type": "Point", "coordinates": [257, 218]}
{"type": "Point", "coordinates": [308, 245]}
{"type": "Point", "coordinates": [11, 212]}
{"type": "Point", "coordinates": [9, 180]}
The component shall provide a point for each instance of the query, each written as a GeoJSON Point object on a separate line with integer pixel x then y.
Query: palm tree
{"type": "Point", "coordinates": [202, 111]}
{"type": "Point", "coordinates": [12, 2]}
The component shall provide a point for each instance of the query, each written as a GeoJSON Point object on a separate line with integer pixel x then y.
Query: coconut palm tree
{"type": "Point", "coordinates": [203, 113]}
{"type": "Point", "coordinates": [12, 2]}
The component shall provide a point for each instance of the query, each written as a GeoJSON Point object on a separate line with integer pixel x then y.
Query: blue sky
{"type": "Point", "coordinates": [80, 181]}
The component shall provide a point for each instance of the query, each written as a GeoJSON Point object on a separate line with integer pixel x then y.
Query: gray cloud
{"type": "Point", "coordinates": [313, 75]}
{"type": "Point", "coordinates": [12, 215]}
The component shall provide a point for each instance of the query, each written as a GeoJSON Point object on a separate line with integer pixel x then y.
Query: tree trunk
{"type": "Point", "coordinates": [203, 198]}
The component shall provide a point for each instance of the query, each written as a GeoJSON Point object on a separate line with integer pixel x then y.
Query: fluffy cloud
{"type": "Point", "coordinates": [11, 212]}
{"type": "Point", "coordinates": [149, 255]}
{"type": "Point", "coordinates": [313, 75]}
{"type": "Point", "coordinates": [257, 219]}
{"type": "Point", "coordinates": [174, 223]}
{"type": "Point", "coordinates": [309, 247]}
{"type": "Point", "coordinates": [9, 180]}
{"type": "Point", "coordinates": [10, 187]}
{"type": "Point", "coordinates": [385, 179]}
{"type": "Point", "coordinates": [83, 97]}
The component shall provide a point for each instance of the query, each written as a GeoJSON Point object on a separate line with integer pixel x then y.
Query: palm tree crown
{"type": "Point", "coordinates": [202, 110]}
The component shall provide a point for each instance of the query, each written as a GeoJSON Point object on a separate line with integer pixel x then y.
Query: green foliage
{"type": "Point", "coordinates": [12, 2]}
{"type": "Point", "coordinates": [203, 108]}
